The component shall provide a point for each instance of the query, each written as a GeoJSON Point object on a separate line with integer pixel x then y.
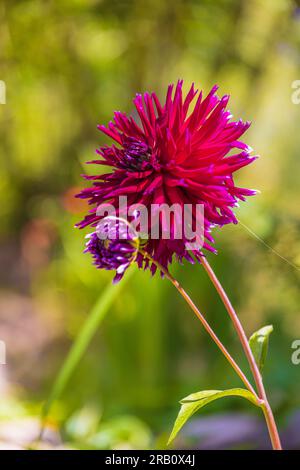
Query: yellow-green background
{"type": "Point", "coordinates": [67, 66]}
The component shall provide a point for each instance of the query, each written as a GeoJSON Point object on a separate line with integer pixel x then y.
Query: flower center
{"type": "Point", "coordinates": [136, 155]}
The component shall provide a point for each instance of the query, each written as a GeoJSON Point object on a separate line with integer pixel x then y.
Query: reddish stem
{"type": "Point", "coordinates": [204, 323]}
{"type": "Point", "coordinates": [275, 439]}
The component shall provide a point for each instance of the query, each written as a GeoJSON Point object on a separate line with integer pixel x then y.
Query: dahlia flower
{"type": "Point", "coordinates": [172, 152]}
{"type": "Point", "coordinates": [112, 251]}
{"type": "Point", "coordinates": [175, 154]}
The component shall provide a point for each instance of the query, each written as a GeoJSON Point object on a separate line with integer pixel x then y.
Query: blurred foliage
{"type": "Point", "coordinates": [67, 65]}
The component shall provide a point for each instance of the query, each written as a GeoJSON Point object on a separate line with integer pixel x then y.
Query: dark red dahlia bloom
{"type": "Point", "coordinates": [173, 153]}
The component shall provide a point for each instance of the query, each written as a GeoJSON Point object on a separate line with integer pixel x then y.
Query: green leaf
{"type": "Point", "coordinates": [259, 342]}
{"type": "Point", "coordinates": [195, 401]}
{"type": "Point", "coordinates": [81, 343]}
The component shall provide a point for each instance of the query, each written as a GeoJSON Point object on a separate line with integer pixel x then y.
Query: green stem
{"type": "Point", "coordinates": [80, 344]}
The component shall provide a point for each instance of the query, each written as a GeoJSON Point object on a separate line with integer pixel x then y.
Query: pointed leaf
{"type": "Point", "coordinates": [195, 401]}
{"type": "Point", "coordinates": [259, 342]}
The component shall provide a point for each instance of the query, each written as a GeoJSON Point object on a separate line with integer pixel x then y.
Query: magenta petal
{"type": "Point", "coordinates": [175, 152]}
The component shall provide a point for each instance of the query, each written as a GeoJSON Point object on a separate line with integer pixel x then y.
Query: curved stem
{"type": "Point", "coordinates": [245, 344]}
{"type": "Point", "coordinates": [204, 323]}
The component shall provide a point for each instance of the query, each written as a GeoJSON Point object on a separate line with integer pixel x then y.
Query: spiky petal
{"type": "Point", "coordinates": [173, 153]}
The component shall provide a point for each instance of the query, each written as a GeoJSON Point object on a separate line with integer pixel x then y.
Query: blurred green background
{"type": "Point", "coordinates": [67, 66]}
